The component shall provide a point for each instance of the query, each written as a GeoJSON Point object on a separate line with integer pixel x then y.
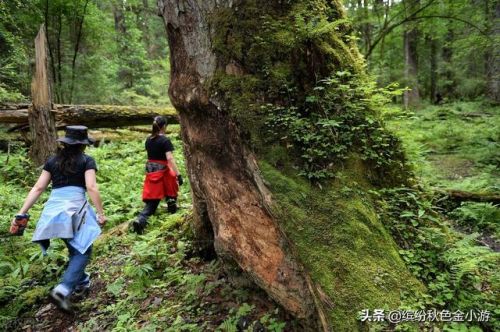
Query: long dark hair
{"type": "Point", "coordinates": [158, 123]}
{"type": "Point", "coordinates": [68, 156]}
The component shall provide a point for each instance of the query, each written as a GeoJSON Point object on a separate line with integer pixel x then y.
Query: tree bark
{"type": "Point", "coordinates": [222, 169]}
{"type": "Point", "coordinates": [76, 49]}
{"type": "Point", "coordinates": [465, 196]}
{"type": "Point", "coordinates": [448, 90]}
{"type": "Point", "coordinates": [218, 50]}
{"type": "Point", "coordinates": [41, 120]}
{"type": "Point", "coordinates": [411, 97]}
{"type": "Point", "coordinates": [92, 116]}
{"type": "Point", "coordinates": [492, 55]}
{"type": "Point", "coordinates": [433, 70]}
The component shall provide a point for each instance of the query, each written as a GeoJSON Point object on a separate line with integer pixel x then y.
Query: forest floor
{"type": "Point", "coordinates": [456, 146]}
{"type": "Point", "coordinates": [156, 281]}
{"type": "Point", "coordinates": [144, 282]}
{"type": "Point", "coordinates": [452, 146]}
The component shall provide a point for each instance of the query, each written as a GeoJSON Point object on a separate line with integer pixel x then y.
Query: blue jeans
{"type": "Point", "coordinates": [75, 275]}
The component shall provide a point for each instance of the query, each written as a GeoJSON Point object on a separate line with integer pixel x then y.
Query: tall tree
{"type": "Point", "coordinates": [239, 69]}
{"type": "Point", "coordinates": [492, 55]}
{"type": "Point", "coordinates": [433, 69]}
{"type": "Point", "coordinates": [412, 96]}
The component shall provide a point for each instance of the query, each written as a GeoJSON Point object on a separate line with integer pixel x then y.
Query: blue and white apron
{"type": "Point", "coordinates": [67, 215]}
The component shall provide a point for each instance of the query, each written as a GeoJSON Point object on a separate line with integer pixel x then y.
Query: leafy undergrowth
{"type": "Point", "coordinates": [452, 146]}
{"type": "Point", "coordinates": [150, 282]}
{"type": "Point", "coordinates": [456, 146]}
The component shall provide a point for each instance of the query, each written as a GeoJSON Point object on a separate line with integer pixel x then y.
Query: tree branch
{"type": "Point", "coordinates": [416, 18]}
{"type": "Point", "coordinates": [75, 51]}
{"type": "Point", "coordinates": [387, 29]}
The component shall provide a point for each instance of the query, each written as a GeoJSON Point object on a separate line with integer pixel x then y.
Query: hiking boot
{"type": "Point", "coordinates": [81, 291]}
{"type": "Point", "coordinates": [138, 226]}
{"type": "Point", "coordinates": [172, 205]}
{"type": "Point", "coordinates": [61, 301]}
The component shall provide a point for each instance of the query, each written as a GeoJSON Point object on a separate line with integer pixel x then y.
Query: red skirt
{"type": "Point", "coordinates": [160, 184]}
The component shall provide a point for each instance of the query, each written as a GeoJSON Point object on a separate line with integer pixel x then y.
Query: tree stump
{"type": "Point", "coordinates": [41, 119]}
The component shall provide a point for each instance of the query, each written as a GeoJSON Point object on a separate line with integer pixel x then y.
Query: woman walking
{"type": "Point", "coordinates": [67, 214]}
{"type": "Point", "coordinates": [162, 175]}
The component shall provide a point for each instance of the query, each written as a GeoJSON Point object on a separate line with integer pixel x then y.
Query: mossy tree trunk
{"type": "Point", "coordinates": [229, 196]}
{"type": "Point", "coordinates": [229, 59]}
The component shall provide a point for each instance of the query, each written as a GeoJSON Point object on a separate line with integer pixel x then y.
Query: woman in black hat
{"type": "Point", "coordinates": [67, 214]}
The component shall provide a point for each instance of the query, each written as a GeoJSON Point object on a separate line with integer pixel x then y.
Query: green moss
{"type": "Point", "coordinates": [282, 53]}
{"type": "Point", "coordinates": [34, 295]}
{"type": "Point", "coordinates": [273, 44]}
{"type": "Point", "coordinates": [342, 243]}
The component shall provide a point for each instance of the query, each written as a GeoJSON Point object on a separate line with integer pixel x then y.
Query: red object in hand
{"type": "Point", "coordinates": [20, 224]}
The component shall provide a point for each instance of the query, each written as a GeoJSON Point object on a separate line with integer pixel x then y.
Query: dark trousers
{"type": "Point", "coordinates": [150, 207]}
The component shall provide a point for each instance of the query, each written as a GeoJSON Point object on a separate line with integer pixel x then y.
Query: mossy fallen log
{"type": "Point", "coordinates": [465, 196]}
{"type": "Point", "coordinates": [92, 116]}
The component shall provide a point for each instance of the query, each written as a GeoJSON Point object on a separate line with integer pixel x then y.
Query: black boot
{"type": "Point", "coordinates": [171, 205]}
{"type": "Point", "coordinates": [139, 225]}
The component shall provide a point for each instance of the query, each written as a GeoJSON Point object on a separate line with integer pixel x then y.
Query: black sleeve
{"type": "Point", "coordinates": [90, 163]}
{"type": "Point", "coordinates": [49, 165]}
{"type": "Point", "coordinates": [168, 146]}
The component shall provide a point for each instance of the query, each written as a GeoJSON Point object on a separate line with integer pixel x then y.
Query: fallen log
{"type": "Point", "coordinates": [465, 196]}
{"type": "Point", "coordinates": [93, 116]}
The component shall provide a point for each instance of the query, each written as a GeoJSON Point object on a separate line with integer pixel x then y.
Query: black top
{"type": "Point", "coordinates": [158, 147]}
{"type": "Point", "coordinates": [60, 180]}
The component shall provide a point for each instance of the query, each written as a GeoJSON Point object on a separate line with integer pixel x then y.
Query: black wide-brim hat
{"type": "Point", "coordinates": [76, 135]}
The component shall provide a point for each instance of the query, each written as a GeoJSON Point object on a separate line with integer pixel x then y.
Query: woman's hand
{"type": "Point", "coordinates": [101, 218]}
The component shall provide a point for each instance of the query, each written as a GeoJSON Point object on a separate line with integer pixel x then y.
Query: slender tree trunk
{"type": "Point", "coordinates": [41, 120]}
{"type": "Point", "coordinates": [52, 61]}
{"type": "Point", "coordinates": [447, 53]}
{"type": "Point", "coordinates": [144, 26]}
{"type": "Point", "coordinates": [59, 53]}
{"type": "Point", "coordinates": [79, 33]}
{"type": "Point", "coordinates": [492, 56]}
{"type": "Point", "coordinates": [411, 97]}
{"type": "Point", "coordinates": [367, 27]}
{"type": "Point", "coordinates": [433, 70]}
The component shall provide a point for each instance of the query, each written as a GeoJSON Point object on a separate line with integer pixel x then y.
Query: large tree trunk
{"type": "Point", "coordinates": [41, 120]}
{"type": "Point", "coordinates": [216, 44]}
{"type": "Point", "coordinates": [92, 116]}
{"type": "Point", "coordinates": [221, 169]}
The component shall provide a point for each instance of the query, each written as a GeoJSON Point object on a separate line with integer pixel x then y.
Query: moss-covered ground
{"type": "Point", "coordinates": [342, 243]}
